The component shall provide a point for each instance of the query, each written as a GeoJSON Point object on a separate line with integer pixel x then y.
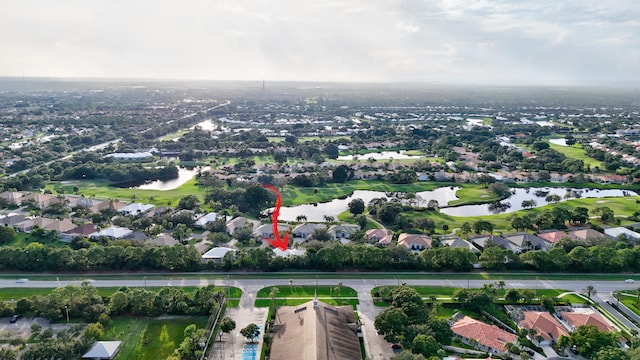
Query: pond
{"type": "Point", "coordinates": [561, 141]}
{"type": "Point", "coordinates": [184, 174]}
{"type": "Point", "coordinates": [443, 195]}
{"type": "Point", "coordinates": [382, 155]}
{"type": "Point", "coordinates": [514, 202]}
{"type": "Point", "coordinates": [316, 212]}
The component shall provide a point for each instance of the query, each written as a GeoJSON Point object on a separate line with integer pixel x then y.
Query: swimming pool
{"type": "Point", "coordinates": [249, 352]}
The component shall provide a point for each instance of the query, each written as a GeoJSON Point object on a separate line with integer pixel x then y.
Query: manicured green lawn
{"type": "Point", "coordinates": [306, 291]}
{"type": "Point", "coordinates": [104, 190]}
{"type": "Point", "coordinates": [295, 295]}
{"type": "Point", "coordinates": [576, 152]}
{"type": "Point", "coordinates": [149, 339]}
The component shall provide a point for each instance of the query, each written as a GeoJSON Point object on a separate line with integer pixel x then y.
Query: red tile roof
{"type": "Point", "coordinates": [577, 319]}
{"type": "Point", "coordinates": [488, 335]}
{"type": "Point", "coordinates": [544, 323]}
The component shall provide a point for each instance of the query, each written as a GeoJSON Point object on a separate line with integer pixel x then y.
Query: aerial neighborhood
{"type": "Point", "coordinates": [402, 226]}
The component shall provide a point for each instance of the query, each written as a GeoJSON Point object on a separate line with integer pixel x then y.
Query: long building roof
{"type": "Point", "coordinates": [307, 332]}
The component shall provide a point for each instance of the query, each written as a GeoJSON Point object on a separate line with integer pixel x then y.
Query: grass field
{"type": "Point", "coordinates": [306, 291]}
{"type": "Point", "coordinates": [149, 339]}
{"type": "Point", "coordinates": [296, 295]}
{"type": "Point", "coordinates": [104, 190]}
{"type": "Point", "coordinates": [576, 152]}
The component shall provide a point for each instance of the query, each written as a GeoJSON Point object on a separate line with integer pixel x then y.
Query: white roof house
{"type": "Point", "coordinates": [216, 253]}
{"type": "Point", "coordinates": [114, 232]}
{"type": "Point", "coordinates": [288, 253]}
{"type": "Point", "coordinates": [103, 350]}
{"type": "Point", "coordinates": [617, 231]}
{"type": "Point", "coordinates": [136, 208]}
{"type": "Point", "coordinates": [210, 217]}
{"type": "Point", "coordinates": [130, 156]}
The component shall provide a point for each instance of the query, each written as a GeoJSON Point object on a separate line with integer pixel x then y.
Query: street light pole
{"type": "Point", "coordinates": [66, 308]}
{"type": "Point", "coordinates": [145, 282]}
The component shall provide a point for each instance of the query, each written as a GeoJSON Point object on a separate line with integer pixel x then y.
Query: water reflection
{"type": "Point", "coordinates": [538, 195]}
{"type": "Point", "coordinates": [184, 175]}
{"type": "Point", "coordinates": [316, 212]}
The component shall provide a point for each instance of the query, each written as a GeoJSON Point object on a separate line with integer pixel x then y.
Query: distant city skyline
{"type": "Point", "coordinates": [527, 42]}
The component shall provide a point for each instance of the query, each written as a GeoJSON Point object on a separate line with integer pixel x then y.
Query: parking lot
{"type": "Point", "coordinates": [22, 327]}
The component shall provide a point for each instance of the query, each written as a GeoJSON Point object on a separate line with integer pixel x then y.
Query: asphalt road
{"type": "Point", "coordinates": [252, 285]}
{"type": "Point", "coordinates": [376, 348]}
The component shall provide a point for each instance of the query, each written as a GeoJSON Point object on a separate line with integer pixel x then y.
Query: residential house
{"type": "Point", "coordinates": [29, 224]}
{"type": "Point", "coordinates": [526, 241]}
{"type": "Point", "coordinates": [315, 331]}
{"type": "Point", "coordinates": [552, 237]}
{"type": "Point", "coordinates": [456, 242]}
{"type": "Point", "coordinates": [547, 328]}
{"type": "Point", "coordinates": [164, 240]}
{"type": "Point", "coordinates": [414, 242]}
{"type": "Point", "coordinates": [265, 231]}
{"type": "Point", "coordinates": [382, 237]}
{"type": "Point", "coordinates": [241, 222]}
{"type": "Point", "coordinates": [342, 231]}
{"type": "Point", "coordinates": [303, 231]}
{"type": "Point", "coordinates": [288, 253]}
{"type": "Point", "coordinates": [12, 197]}
{"type": "Point", "coordinates": [487, 240]}
{"type": "Point", "coordinates": [12, 220]}
{"type": "Point", "coordinates": [60, 226]}
{"type": "Point", "coordinates": [579, 318]}
{"type": "Point", "coordinates": [587, 235]}
{"type": "Point", "coordinates": [103, 350]}
{"type": "Point", "coordinates": [208, 218]}
{"type": "Point", "coordinates": [485, 337]}
{"type": "Point", "coordinates": [40, 201]}
{"type": "Point", "coordinates": [217, 253]}
{"type": "Point", "coordinates": [82, 230]}
{"type": "Point", "coordinates": [82, 201]}
{"type": "Point", "coordinates": [112, 232]}
{"type": "Point", "coordinates": [136, 209]}
{"type": "Point", "coordinates": [622, 231]}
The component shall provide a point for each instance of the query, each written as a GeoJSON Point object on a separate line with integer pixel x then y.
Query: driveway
{"type": "Point", "coordinates": [246, 313]}
{"type": "Point", "coordinates": [376, 347]}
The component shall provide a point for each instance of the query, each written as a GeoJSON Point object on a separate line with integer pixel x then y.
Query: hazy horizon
{"type": "Point", "coordinates": [493, 42]}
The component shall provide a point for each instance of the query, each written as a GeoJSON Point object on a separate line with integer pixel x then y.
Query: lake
{"type": "Point", "coordinates": [316, 212]}
{"type": "Point", "coordinates": [184, 175]}
{"type": "Point", "coordinates": [520, 195]}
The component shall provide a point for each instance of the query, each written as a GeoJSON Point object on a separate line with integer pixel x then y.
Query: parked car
{"type": "Point", "coordinates": [14, 318]}
{"type": "Point", "coordinates": [629, 281]}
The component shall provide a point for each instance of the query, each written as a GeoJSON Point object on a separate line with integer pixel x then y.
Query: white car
{"type": "Point", "coordinates": [629, 281]}
{"type": "Point", "coordinates": [22, 281]}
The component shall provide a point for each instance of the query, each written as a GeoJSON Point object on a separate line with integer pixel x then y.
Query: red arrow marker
{"type": "Point", "coordinates": [277, 242]}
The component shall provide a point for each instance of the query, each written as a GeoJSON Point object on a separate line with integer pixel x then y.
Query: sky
{"type": "Point", "coordinates": [518, 42]}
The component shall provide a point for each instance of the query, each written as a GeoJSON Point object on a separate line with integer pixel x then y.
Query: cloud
{"type": "Point", "coordinates": [355, 40]}
{"type": "Point", "coordinates": [409, 29]}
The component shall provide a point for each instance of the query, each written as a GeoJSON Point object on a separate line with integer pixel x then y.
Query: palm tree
{"type": "Point", "coordinates": [274, 294]}
{"type": "Point", "coordinates": [590, 290]}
